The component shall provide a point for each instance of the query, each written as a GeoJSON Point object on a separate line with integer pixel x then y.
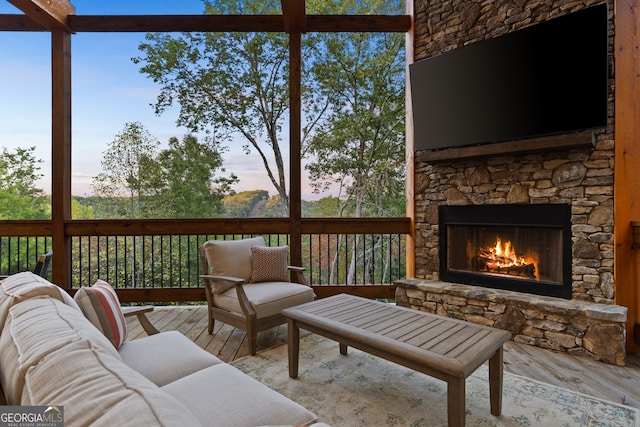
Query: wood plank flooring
{"type": "Point", "coordinates": [612, 383]}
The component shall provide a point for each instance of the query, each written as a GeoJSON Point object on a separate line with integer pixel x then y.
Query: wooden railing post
{"type": "Point", "coordinates": [61, 156]}
{"type": "Point", "coordinates": [295, 148]}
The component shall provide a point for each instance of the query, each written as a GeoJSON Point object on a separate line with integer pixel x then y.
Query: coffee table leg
{"type": "Point", "coordinates": [495, 382]}
{"type": "Point", "coordinates": [294, 347]}
{"type": "Point", "coordinates": [343, 349]}
{"type": "Point", "coordinates": [456, 394]}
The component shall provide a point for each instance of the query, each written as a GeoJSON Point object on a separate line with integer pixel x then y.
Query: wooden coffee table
{"type": "Point", "coordinates": [444, 348]}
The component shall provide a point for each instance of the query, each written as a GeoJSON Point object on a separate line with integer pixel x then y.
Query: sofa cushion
{"type": "Point", "coordinates": [165, 357]}
{"type": "Point", "coordinates": [269, 264]}
{"type": "Point", "coordinates": [35, 328]}
{"type": "Point", "coordinates": [230, 258]}
{"type": "Point", "coordinates": [21, 286]}
{"type": "Point", "coordinates": [237, 400]}
{"type": "Point", "coordinates": [267, 299]}
{"type": "Point", "coordinates": [97, 389]}
{"type": "Point", "coordinates": [100, 304]}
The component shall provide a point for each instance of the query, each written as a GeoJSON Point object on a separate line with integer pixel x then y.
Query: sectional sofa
{"type": "Point", "coordinates": [52, 354]}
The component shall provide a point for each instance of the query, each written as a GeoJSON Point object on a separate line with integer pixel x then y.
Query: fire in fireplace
{"type": "Point", "coordinates": [525, 248]}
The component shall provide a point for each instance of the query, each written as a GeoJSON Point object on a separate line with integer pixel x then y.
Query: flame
{"type": "Point", "coordinates": [503, 256]}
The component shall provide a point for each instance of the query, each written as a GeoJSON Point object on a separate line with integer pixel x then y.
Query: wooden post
{"type": "Point", "coordinates": [627, 160]}
{"type": "Point", "coordinates": [409, 150]}
{"type": "Point", "coordinates": [295, 19]}
{"type": "Point", "coordinates": [61, 155]}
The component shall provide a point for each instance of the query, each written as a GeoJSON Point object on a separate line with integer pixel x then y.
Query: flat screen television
{"type": "Point", "coordinates": [546, 79]}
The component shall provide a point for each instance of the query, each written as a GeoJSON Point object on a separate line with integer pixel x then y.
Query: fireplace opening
{"type": "Point", "coordinates": [524, 248]}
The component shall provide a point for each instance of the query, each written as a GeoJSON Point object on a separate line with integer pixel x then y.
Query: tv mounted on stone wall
{"type": "Point", "coordinates": [547, 79]}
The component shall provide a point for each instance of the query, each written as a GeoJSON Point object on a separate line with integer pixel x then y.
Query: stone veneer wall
{"type": "Point", "coordinates": [580, 177]}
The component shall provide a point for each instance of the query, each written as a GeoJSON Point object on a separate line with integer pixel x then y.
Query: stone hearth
{"type": "Point", "coordinates": [573, 326]}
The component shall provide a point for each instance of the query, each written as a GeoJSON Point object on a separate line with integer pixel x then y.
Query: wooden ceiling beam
{"type": "Point", "coordinates": [19, 23]}
{"type": "Point", "coordinates": [51, 14]}
{"type": "Point", "coordinates": [294, 15]}
{"type": "Point", "coordinates": [358, 23]}
{"type": "Point", "coordinates": [182, 23]}
{"type": "Point", "coordinates": [232, 23]}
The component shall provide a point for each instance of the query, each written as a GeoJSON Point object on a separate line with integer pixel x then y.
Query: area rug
{"type": "Point", "coordinates": [364, 390]}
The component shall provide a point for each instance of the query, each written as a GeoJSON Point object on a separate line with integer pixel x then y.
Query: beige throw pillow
{"type": "Point", "coordinates": [270, 264]}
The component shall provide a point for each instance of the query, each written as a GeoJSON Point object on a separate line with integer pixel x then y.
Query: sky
{"type": "Point", "coordinates": [108, 91]}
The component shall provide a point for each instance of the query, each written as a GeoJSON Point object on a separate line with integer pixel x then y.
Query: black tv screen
{"type": "Point", "coordinates": [547, 79]}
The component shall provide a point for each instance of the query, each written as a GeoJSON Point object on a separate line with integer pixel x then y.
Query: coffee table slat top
{"type": "Point", "coordinates": [454, 347]}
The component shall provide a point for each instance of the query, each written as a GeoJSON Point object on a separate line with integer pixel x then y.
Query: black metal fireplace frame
{"type": "Point", "coordinates": [543, 215]}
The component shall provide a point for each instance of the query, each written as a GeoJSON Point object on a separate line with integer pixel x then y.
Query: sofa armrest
{"type": "Point", "coordinates": [3, 400]}
{"type": "Point", "coordinates": [141, 313]}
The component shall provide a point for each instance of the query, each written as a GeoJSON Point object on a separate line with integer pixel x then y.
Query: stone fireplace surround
{"type": "Point", "coordinates": [589, 323]}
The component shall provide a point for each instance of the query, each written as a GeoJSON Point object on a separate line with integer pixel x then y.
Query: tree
{"type": "Point", "coordinates": [233, 82]}
{"type": "Point", "coordinates": [190, 188]}
{"type": "Point", "coordinates": [19, 196]}
{"type": "Point", "coordinates": [130, 172]}
{"type": "Point", "coordinates": [359, 145]}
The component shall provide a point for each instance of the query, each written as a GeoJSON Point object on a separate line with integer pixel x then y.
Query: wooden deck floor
{"type": "Point", "coordinates": [613, 383]}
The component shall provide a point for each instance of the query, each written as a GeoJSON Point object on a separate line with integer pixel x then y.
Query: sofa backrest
{"type": "Point", "coordinates": [22, 286]}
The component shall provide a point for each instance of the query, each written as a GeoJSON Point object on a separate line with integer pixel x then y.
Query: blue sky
{"type": "Point", "coordinates": [107, 92]}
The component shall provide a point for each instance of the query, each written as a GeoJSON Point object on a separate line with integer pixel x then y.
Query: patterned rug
{"type": "Point", "coordinates": [364, 390]}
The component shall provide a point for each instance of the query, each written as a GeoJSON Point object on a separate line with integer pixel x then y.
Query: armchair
{"type": "Point", "coordinates": [42, 265]}
{"type": "Point", "coordinates": [248, 284]}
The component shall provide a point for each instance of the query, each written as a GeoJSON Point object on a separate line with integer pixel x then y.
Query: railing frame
{"type": "Point", "coordinates": [230, 226]}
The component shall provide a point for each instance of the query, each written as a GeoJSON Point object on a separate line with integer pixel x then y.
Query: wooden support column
{"type": "Point", "coordinates": [409, 150]}
{"type": "Point", "coordinates": [627, 161]}
{"type": "Point", "coordinates": [295, 148]}
{"type": "Point", "coordinates": [295, 18]}
{"type": "Point", "coordinates": [61, 155]}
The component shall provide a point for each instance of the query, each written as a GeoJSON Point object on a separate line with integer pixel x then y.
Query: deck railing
{"type": "Point", "coordinates": [150, 266]}
{"type": "Point", "coordinates": [172, 261]}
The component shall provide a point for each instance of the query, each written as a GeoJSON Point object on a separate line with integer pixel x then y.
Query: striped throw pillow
{"type": "Point", "coordinates": [101, 306]}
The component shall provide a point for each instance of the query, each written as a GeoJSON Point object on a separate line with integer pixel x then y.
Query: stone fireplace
{"type": "Point", "coordinates": [570, 305]}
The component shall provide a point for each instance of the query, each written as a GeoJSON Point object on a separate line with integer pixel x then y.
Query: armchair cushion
{"type": "Point", "coordinates": [230, 258]}
{"type": "Point", "coordinates": [100, 304]}
{"type": "Point", "coordinates": [269, 264]}
{"type": "Point", "coordinates": [268, 299]}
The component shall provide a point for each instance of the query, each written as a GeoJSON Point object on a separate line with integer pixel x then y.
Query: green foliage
{"type": "Point", "coordinates": [235, 83]}
{"type": "Point", "coordinates": [80, 210]}
{"type": "Point", "coordinates": [241, 205]}
{"type": "Point", "coordinates": [129, 172]}
{"type": "Point", "coordinates": [326, 207]}
{"type": "Point", "coordinates": [19, 197]}
{"type": "Point", "coordinates": [359, 146]}
{"type": "Point", "coordinates": [181, 181]}
{"type": "Point", "coordinates": [189, 186]}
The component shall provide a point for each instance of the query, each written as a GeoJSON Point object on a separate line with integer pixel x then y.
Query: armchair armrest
{"type": "Point", "coordinates": [231, 282]}
{"type": "Point", "coordinates": [219, 284]}
{"type": "Point", "coordinates": [234, 280]}
{"type": "Point", "coordinates": [297, 274]}
{"type": "Point", "coordinates": [141, 313]}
